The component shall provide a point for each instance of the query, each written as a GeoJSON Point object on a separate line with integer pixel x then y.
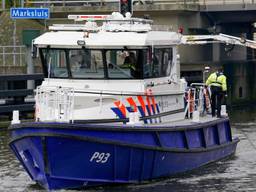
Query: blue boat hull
{"type": "Point", "coordinates": [60, 155]}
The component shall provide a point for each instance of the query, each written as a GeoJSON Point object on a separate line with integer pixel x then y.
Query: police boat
{"type": "Point", "coordinates": [113, 109]}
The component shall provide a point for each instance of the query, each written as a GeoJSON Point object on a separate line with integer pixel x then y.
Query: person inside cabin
{"type": "Point", "coordinates": [130, 62]}
{"type": "Point", "coordinates": [218, 84]}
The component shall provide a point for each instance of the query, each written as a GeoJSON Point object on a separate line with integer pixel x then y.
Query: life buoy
{"type": "Point", "coordinates": [206, 99]}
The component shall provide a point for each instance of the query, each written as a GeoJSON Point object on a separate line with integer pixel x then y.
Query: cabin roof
{"type": "Point", "coordinates": [104, 39]}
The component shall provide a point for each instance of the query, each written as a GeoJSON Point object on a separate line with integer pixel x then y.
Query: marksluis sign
{"type": "Point", "coordinates": [30, 13]}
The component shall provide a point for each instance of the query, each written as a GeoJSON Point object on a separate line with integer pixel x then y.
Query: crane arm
{"type": "Point", "coordinates": [221, 38]}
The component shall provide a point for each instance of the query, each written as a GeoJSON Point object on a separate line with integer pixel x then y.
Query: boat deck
{"type": "Point", "coordinates": [179, 124]}
{"type": "Point", "coordinates": [204, 119]}
{"type": "Point", "coordinates": [207, 119]}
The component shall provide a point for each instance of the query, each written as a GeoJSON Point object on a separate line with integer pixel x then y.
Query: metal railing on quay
{"type": "Point", "coordinates": [226, 2]}
{"type": "Point", "coordinates": [103, 2]}
{"type": "Point", "coordinates": [51, 3]}
{"type": "Point", "coordinates": [12, 55]}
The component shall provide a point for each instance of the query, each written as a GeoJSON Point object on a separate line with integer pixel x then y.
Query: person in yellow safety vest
{"type": "Point", "coordinates": [218, 84]}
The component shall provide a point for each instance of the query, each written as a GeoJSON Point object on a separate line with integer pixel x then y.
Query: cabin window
{"type": "Point", "coordinates": [107, 64]}
{"type": "Point", "coordinates": [161, 63]}
{"type": "Point", "coordinates": [55, 63]}
{"type": "Point", "coordinates": [85, 63]}
{"type": "Point", "coordinates": [124, 64]}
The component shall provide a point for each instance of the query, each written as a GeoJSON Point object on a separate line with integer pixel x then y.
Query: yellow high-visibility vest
{"type": "Point", "coordinates": [219, 81]}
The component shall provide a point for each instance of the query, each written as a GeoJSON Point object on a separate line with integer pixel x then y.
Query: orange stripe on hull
{"type": "Point", "coordinates": [121, 107]}
{"type": "Point", "coordinates": [154, 103]}
{"type": "Point", "coordinates": [149, 104]}
{"type": "Point", "coordinates": [132, 104]}
{"type": "Point", "coordinates": [141, 100]}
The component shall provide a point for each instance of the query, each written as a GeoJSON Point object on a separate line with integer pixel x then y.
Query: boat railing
{"type": "Point", "coordinates": [197, 98]}
{"type": "Point", "coordinates": [57, 103]}
{"type": "Point", "coordinates": [54, 104]}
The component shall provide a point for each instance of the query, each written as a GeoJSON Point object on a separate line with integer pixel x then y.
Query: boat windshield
{"type": "Point", "coordinates": [107, 64]}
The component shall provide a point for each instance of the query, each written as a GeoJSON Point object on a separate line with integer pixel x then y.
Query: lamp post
{"type": "Point", "coordinates": [3, 4]}
{"type": "Point", "coordinates": [14, 38]}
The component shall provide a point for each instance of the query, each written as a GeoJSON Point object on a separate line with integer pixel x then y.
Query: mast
{"type": "Point", "coordinates": [125, 6]}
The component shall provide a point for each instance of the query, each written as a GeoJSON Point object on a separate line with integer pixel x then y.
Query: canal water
{"type": "Point", "coordinates": [237, 173]}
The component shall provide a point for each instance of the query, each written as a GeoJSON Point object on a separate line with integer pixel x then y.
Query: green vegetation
{"type": "Point", "coordinates": [6, 39]}
{"type": "Point", "coordinates": [7, 27]}
{"type": "Point", "coordinates": [11, 3]}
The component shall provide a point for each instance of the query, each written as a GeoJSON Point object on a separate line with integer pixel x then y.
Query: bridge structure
{"type": "Point", "coordinates": [234, 17]}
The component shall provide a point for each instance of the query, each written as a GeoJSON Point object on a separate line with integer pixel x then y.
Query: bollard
{"type": "Point", "coordinates": [134, 118]}
{"type": "Point", "coordinates": [223, 111]}
{"type": "Point", "coordinates": [195, 117]}
{"type": "Point", "coordinates": [15, 117]}
{"type": "Point", "coordinates": [131, 118]}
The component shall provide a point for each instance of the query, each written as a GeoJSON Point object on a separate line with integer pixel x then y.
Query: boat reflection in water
{"type": "Point", "coordinates": [102, 118]}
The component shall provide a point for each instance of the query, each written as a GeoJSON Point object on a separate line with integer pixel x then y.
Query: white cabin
{"type": "Point", "coordinates": [112, 70]}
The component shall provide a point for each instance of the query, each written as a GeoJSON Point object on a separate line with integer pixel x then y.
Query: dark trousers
{"type": "Point", "coordinates": [216, 98]}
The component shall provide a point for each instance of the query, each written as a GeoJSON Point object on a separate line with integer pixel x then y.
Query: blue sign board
{"type": "Point", "coordinates": [30, 13]}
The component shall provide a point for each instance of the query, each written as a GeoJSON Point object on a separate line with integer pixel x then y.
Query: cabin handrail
{"type": "Point", "coordinates": [121, 93]}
